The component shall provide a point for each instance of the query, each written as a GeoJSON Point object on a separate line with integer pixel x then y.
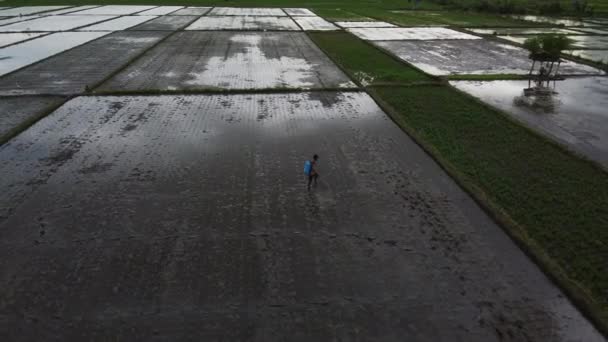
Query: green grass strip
{"type": "Point", "coordinates": [553, 203]}
{"type": "Point", "coordinates": [367, 64]}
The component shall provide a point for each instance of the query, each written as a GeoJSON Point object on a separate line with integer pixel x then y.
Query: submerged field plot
{"type": "Point", "coordinates": [574, 113]}
{"type": "Point", "coordinates": [201, 197]}
{"type": "Point", "coordinates": [152, 183]}
{"type": "Point", "coordinates": [231, 60]}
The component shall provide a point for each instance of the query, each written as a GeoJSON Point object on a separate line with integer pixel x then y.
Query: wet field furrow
{"type": "Point", "coordinates": [230, 60]}
{"type": "Point", "coordinates": [71, 72]}
{"type": "Point", "coordinates": [187, 217]}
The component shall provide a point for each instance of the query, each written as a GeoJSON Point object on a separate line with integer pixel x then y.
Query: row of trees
{"type": "Point", "coordinates": [547, 50]}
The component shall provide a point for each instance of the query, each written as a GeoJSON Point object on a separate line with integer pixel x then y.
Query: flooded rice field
{"type": "Point", "coordinates": [116, 10]}
{"type": "Point", "coordinates": [55, 23]}
{"type": "Point", "coordinates": [18, 110]}
{"type": "Point", "coordinates": [161, 10]}
{"type": "Point", "coordinates": [584, 42]}
{"type": "Point", "coordinates": [266, 12]}
{"type": "Point", "coordinates": [315, 24]}
{"type": "Point", "coordinates": [193, 210]}
{"type": "Point", "coordinates": [12, 38]}
{"type": "Point", "coordinates": [192, 11]}
{"type": "Point", "coordinates": [120, 23]}
{"type": "Point", "coordinates": [19, 55]}
{"type": "Point", "coordinates": [555, 21]}
{"type": "Point", "coordinates": [535, 31]}
{"type": "Point", "coordinates": [71, 72]}
{"type": "Point", "coordinates": [18, 11]}
{"type": "Point", "coordinates": [231, 60]}
{"type": "Point", "coordinates": [166, 23]}
{"type": "Point", "coordinates": [353, 24]}
{"type": "Point", "coordinates": [573, 111]}
{"type": "Point", "coordinates": [70, 10]}
{"type": "Point", "coordinates": [299, 12]}
{"type": "Point", "coordinates": [175, 217]}
{"type": "Point", "coordinates": [592, 55]}
{"type": "Point", "coordinates": [594, 30]}
{"type": "Point", "coordinates": [256, 23]}
{"type": "Point", "coordinates": [476, 57]}
{"type": "Point", "coordinates": [11, 20]}
{"type": "Point", "coordinates": [409, 33]}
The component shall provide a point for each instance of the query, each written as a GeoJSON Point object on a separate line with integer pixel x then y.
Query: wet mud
{"type": "Point", "coordinates": [353, 24]}
{"type": "Point", "coordinates": [84, 66]}
{"type": "Point", "coordinates": [12, 38]}
{"type": "Point", "coordinates": [27, 10]}
{"type": "Point", "coordinates": [461, 57]}
{"type": "Point", "coordinates": [20, 55]}
{"type": "Point", "coordinates": [166, 23]}
{"type": "Point", "coordinates": [162, 10]}
{"type": "Point", "coordinates": [236, 11]}
{"type": "Point", "coordinates": [192, 11]}
{"type": "Point", "coordinates": [240, 23]}
{"type": "Point", "coordinates": [409, 33]}
{"type": "Point", "coordinates": [118, 24]}
{"type": "Point", "coordinates": [116, 10]}
{"type": "Point", "coordinates": [55, 23]}
{"type": "Point", "coordinates": [299, 12]}
{"type": "Point", "coordinates": [15, 111]}
{"type": "Point", "coordinates": [573, 114]}
{"type": "Point", "coordinates": [187, 218]}
{"type": "Point", "coordinates": [229, 60]}
{"type": "Point", "coordinates": [315, 24]}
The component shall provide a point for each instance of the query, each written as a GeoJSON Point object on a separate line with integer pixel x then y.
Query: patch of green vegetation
{"type": "Point", "coordinates": [470, 19]}
{"type": "Point", "coordinates": [551, 201]}
{"type": "Point", "coordinates": [364, 62]}
{"type": "Point", "coordinates": [487, 77]}
{"type": "Point", "coordinates": [398, 17]}
{"type": "Point", "coordinates": [338, 14]}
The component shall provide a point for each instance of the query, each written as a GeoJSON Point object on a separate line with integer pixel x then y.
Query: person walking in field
{"type": "Point", "coordinates": [310, 170]}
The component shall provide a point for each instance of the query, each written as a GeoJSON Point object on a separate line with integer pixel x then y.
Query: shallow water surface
{"type": "Point", "coordinates": [244, 23]}
{"type": "Point", "coordinates": [22, 54]}
{"type": "Point", "coordinates": [315, 24]}
{"type": "Point", "coordinates": [409, 33]}
{"type": "Point", "coordinates": [12, 38]}
{"type": "Point", "coordinates": [574, 113]}
{"type": "Point", "coordinates": [55, 23]}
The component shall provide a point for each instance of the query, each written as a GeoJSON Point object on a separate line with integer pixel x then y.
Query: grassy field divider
{"type": "Point", "coordinates": [354, 55]}
{"type": "Point", "coordinates": [575, 291]}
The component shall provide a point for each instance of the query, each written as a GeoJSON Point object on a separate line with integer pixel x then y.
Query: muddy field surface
{"type": "Point", "coordinates": [14, 111]}
{"type": "Point", "coordinates": [187, 218]}
{"type": "Point", "coordinates": [166, 23]}
{"type": "Point", "coordinates": [231, 60]}
{"type": "Point", "coordinates": [71, 72]}
{"type": "Point", "coordinates": [457, 57]}
{"type": "Point", "coordinates": [240, 23]}
{"type": "Point", "coordinates": [574, 114]}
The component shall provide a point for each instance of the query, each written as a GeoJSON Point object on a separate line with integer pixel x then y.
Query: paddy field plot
{"type": "Point", "coordinates": [240, 23]}
{"type": "Point", "coordinates": [55, 23]}
{"type": "Point", "coordinates": [353, 24]}
{"type": "Point", "coordinates": [86, 65]}
{"type": "Point", "coordinates": [202, 197]}
{"type": "Point", "coordinates": [161, 10]}
{"type": "Point", "coordinates": [23, 54]}
{"type": "Point", "coordinates": [18, 110]}
{"type": "Point", "coordinates": [574, 114]}
{"type": "Point", "coordinates": [231, 60]}
{"type": "Point", "coordinates": [192, 11]}
{"type": "Point", "coordinates": [116, 10]}
{"type": "Point", "coordinates": [477, 57]}
{"type": "Point", "coordinates": [235, 11]}
{"type": "Point", "coordinates": [20, 11]}
{"type": "Point", "coordinates": [299, 12]}
{"type": "Point", "coordinates": [166, 23]}
{"type": "Point", "coordinates": [408, 33]}
{"type": "Point", "coordinates": [118, 24]}
{"type": "Point", "coordinates": [315, 24]}
{"type": "Point", "coordinates": [12, 38]}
